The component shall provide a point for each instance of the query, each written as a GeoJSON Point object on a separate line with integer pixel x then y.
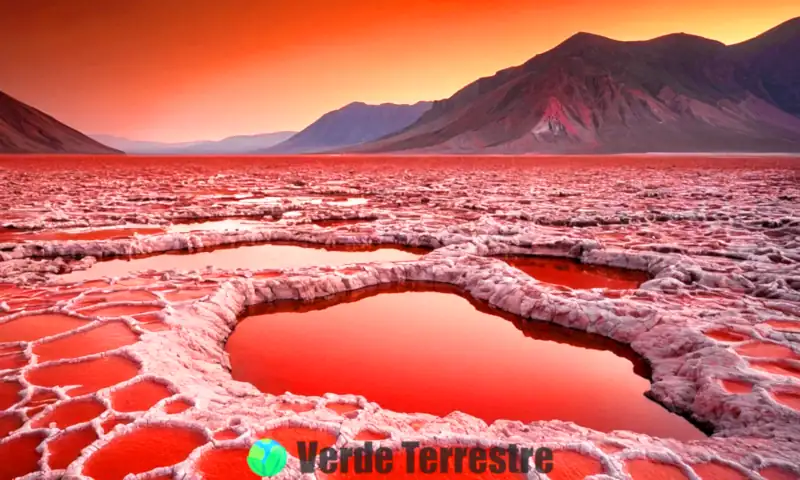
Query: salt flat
{"type": "Point", "coordinates": [718, 320]}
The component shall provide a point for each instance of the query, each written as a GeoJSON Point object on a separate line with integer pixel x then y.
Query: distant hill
{"type": "Point", "coordinates": [238, 144]}
{"type": "Point", "coordinates": [592, 94]}
{"type": "Point", "coordinates": [351, 125]}
{"type": "Point", "coordinates": [24, 129]}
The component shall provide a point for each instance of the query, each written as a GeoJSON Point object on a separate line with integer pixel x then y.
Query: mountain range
{"type": "Point", "coordinates": [352, 124]}
{"type": "Point", "coordinates": [592, 94]}
{"type": "Point", "coordinates": [238, 144]}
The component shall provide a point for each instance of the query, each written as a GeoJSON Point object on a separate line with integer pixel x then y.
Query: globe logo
{"type": "Point", "coordinates": [266, 458]}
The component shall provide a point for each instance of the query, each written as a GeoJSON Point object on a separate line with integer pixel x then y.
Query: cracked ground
{"type": "Point", "coordinates": [104, 374]}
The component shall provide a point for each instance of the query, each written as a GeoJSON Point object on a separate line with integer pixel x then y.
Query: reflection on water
{"type": "Point", "coordinates": [96, 233]}
{"type": "Point", "coordinates": [255, 257]}
{"type": "Point", "coordinates": [573, 274]}
{"type": "Point", "coordinates": [426, 348]}
{"type": "Point", "coordinates": [216, 225]}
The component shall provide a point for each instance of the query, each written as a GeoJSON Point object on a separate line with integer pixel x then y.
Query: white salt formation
{"type": "Point", "coordinates": [719, 321]}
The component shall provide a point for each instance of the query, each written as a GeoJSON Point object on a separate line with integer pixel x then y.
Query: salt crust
{"type": "Point", "coordinates": [748, 278]}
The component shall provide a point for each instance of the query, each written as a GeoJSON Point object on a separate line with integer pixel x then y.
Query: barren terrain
{"type": "Point", "coordinates": [592, 94]}
{"type": "Point", "coordinates": [129, 373]}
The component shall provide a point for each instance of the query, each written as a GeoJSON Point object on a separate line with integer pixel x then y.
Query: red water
{"type": "Point", "coordinates": [134, 282]}
{"type": "Point", "coordinates": [119, 311]}
{"type": "Point", "coordinates": [177, 406]}
{"type": "Point", "coordinates": [187, 294]}
{"type": "Point", "coordinates": [104, 233]}
{"type": "Point", "coordinates": [34, 327]}
{"type": "Point", "coordinates": [780, 368]}
{"type": "Point", "coordinates": [717, 471]}
{"type": "Point", "coordinates": [142, 450]}
{"type": "Point", "coordinates": [106, 337]}
{"type": "Point", "coordinates": [790, 399]}
{"type": "Point", "coordinates": [786, 325]}
{"type": "Point", "coordinates": [766, 349]}
{"type": "Point", "coordinates": [89, 375]}
{"type": "Point", "coordinates": [725, 336]}
{"type": "Point", "coordinates": [23, 450]}
{"type": "Point", "coordinates": [289, 436]}
{"type": "Point", "coordinates": [642, 469]}
{"type": "Point", "coordinates": [140, 396]}
{"type": "Point", "coordinates": [610, 447]}
{"type": "Point", "coordinates": [777, 473]}
{"type": "Point", "coordinates": [422, 348]}
{"type": "Point", "coordinates": [9, 422]}
{"type": "Point", "coordinates": [225, 464]}
{"type": "Point", "coordinates": [155, 326]}
{"type": "Point", "coordinates": [12, 357]}
{"type": "Point", "coordinates": [93, 284]}
{"type": "Point", "coordinates": [225, 435]}
{"type": "Point", "coordinates": [569, 465]}
{"type": "Point", "coordinates": [257, 257]}
{"type": "Point", "coordinates": [66, 448]}
{"type": "Point", "coordinates": [371, 435]}
{"type": "Point", "coordinates": [231, 464]}
{"type": "Point", "coordinates": [9, 394]}
{"type": "Point", "coordinates": [29, 303]}
{"type": "Point", "coordinates": [118, 296]}
{"type": "Point", "coordinates": [570, 273]}
{"type": "Point", "coordinates": [71, 413]}
{"type": "Point", "coordinates": [735, 386]}
{"type": "Point", "coordinates": [40, 400]}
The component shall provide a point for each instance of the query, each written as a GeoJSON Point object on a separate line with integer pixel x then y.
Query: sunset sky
{"type": "Point", "coordinates": [179, 70]}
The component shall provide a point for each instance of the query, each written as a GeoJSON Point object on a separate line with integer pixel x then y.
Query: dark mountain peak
{"type": "Point", "coordinates": [785, 34]}
{"type": "Point", "coordinates": [362, 105]}
{"type": "Point", "coordinates": [677, 42]}
{"type": "Point", "coordinates": [583, 40]}
{"type": "Point", "coordinates": [684, 40]}
{"type": "Point", "coordinates": [787, 29]}
{"type": "Point", "coordinates": [581, 45]}
{"type": "Point", "coordinates": [586, 38]}
{"type": "Point", "coordinates": [354, 105]}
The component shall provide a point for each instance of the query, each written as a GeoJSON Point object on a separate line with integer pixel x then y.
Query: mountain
{"type": "Point", "coordinates": [768, 65]}
{"type": "Point", "coordinates": [24, 129]}
{"type": "Point", "coordinates": [592, 94]}
{"type": "Point", "coordinates": [238, 144]}
{"type": "Point", "coordinates": [351, 125]}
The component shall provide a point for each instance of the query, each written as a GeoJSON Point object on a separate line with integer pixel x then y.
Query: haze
{"type": "Point", "coordinates": [161, 71]}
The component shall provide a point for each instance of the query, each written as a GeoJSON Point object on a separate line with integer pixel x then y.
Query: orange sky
{"type": "Point", "coordinates": [176, 70]}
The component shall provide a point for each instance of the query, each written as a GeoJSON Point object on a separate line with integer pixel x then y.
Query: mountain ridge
{"type": "Point", "coordinates": [592, 94]}
{"type": "Point", "coordinates": [352, 124]}
{"type": "Point", "coordinates": [234, 144]}
{"type": "Point", "coordinates": [25, 129]}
